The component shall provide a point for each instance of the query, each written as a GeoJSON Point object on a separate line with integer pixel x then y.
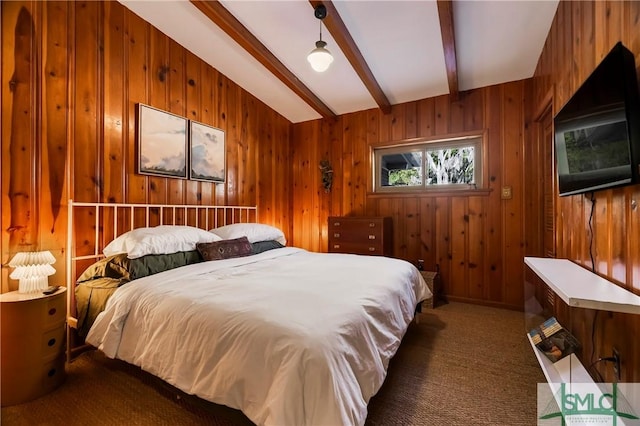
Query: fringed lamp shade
{"type": "Point", "coordinates": [32, 270]}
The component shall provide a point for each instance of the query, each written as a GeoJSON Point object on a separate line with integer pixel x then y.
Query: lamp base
{"type": "Point", "coordinates": [33, 284]}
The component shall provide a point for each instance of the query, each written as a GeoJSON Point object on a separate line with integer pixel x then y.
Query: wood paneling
{"type": "Point", "coordinates": [477, 240]}
{"type": "Point", "coordinates": [72, 75]}
{"type": "Point", "coordinates": [73, 72]}
{"type": "Point", "coordinates": [581, 35]}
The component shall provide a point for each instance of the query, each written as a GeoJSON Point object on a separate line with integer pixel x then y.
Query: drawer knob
{"type": "Point", "coordinates": [51, 342]}
{"type": "Point", "coordinates": [52, 311]}
{"type": "Point", "coordinates": [336, 223]}
{"type": "Point", "coordinates": [372, 225]}
{"type": "Point", "coordinates": [372, 249]}
{"type": "Point", "coordinates": [336, 235]}
{"type": "Point", "coordinates": [372, 237]}
{"type": "Point", "coordinates": [336, 246]}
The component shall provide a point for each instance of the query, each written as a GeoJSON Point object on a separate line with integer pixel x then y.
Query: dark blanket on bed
{"type": "Point", "coordinates": [98, 282]}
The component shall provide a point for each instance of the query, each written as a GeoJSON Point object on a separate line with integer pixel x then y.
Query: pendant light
{"type": "Point", "coordinates": [320, 58]}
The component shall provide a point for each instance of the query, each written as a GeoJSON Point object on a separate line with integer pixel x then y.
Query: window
{"type": "Point", "coordinates": [443, 164]}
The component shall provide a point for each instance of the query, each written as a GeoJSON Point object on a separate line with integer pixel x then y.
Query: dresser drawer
{"type": "Point", "coordinates": [356, 248]}
{"type": "Point", "coordinates": [55, 311]}
{"type": "Point", "coordinates": [350, 235]}
{"type": "Point", "coordinates": [358, 225]}
{"type": "Point", "coordinates": [52, 374]}
{"type": "Point", "coordinates": [52, 343]}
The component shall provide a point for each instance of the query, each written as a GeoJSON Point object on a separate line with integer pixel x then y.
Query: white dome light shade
{"type": "Point", "coordinates": [320, 58]}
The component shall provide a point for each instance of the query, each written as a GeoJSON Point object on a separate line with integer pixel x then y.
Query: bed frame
{"type": "Point", "coordinates": [109, 220]}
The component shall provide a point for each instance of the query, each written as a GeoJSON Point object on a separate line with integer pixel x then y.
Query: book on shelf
{"type": "Point", "coordinates": [553, 340]}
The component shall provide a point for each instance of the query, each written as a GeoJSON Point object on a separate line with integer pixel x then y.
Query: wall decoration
{"type": "Point", "coordinates": [207, 153]}
{"type": "Point", "coordinates": [162, 143]}
{"type": "Point", "coordinates": [327, 175]}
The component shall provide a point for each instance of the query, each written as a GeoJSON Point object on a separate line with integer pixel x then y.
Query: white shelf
{"type": "Point", "coordinates": [578, 287]}
{"type": "Point", "coordinates": [581, 288]}
{"type": "Point", "coordinates": [570, 371]}
{"type": "Point", "coordinates": [566, 370]}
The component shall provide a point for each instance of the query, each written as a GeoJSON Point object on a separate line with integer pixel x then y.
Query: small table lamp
{"type": "Point", "coordinates": [32, 270]}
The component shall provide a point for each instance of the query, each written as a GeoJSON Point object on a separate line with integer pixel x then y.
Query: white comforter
{"type": "Point", "coordinates": [288, 336]}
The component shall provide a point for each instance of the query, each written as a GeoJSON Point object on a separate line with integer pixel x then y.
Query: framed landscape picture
{"type": "Point", "coordinates": [207, 153]}
{"type": "Point", "coordinates": [162, 143]}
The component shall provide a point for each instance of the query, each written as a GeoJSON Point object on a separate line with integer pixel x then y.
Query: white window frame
{"type": "Point", "coordinates": [477, 140]}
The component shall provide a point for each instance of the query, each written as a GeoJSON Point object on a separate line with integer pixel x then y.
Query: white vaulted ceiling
{"type": "Point", "coordinates": [401, 42]}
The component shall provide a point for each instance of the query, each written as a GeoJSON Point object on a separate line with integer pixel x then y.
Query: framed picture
{"type": "Point", "coordinates": [207, 153]}
{"type": "Point", "coordinates": [162, 143]}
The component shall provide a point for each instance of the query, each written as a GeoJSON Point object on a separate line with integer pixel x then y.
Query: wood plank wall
{"type": "Point", "coordinates": [72, 74]}
{"type": "Point", "coordinates": [477, 239]}
{"type": "Point", "coordinates": [581, 35]}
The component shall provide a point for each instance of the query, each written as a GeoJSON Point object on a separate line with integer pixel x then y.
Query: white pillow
{"type": "Point", "coordinates": [255, 232]}
{"type": "Point", "coordinates": [163, 239]}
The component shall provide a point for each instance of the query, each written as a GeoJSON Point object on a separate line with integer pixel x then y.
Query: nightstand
{"type": "Point", "coordinates": [31, 345]}
{"type": "Point", "coordinates": [433, 282]}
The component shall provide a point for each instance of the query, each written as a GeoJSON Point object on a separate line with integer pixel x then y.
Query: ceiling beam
{"type": "Point", "coordinates": [445, 12]}
{"type": "Point", "coordinates": [341, 35]}
{"type": "Point", "coordinates": [220, 16]}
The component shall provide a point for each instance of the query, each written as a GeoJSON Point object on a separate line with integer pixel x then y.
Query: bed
{"type": "Point", "coordinates": [287, 336]}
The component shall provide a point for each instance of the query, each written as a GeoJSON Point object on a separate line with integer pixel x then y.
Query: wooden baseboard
{"type": "Point", "coordinates": [484, 303]}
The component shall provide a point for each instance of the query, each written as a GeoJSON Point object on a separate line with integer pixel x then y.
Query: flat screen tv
{"type": "Point", "coordinates": [597, 132]}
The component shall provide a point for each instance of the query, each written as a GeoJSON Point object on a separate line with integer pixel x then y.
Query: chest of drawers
{"type": "Point", "coordinates": [361, 235]}
{"type": "Point", "coordinates": [32, 345]}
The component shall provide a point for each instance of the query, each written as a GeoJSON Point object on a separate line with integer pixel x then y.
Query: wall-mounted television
{"type": "Point", "coordinates": [597, 132]}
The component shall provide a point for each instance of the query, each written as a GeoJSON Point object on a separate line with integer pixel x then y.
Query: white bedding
{"type": "Point", "coordinates": [288, 336]}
